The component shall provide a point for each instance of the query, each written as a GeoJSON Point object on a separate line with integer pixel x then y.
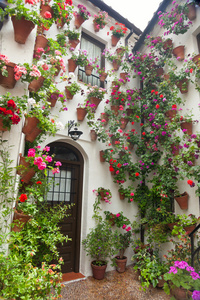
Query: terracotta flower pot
{"type": "Point", "coordinates": [182, 200]}
{"type": "Point", "coordinates": [171, 225]}
{"type": "Point", "coordinates": [8, 82]}
{"type": "Point", "coordinates": [81, 113]}
{"type": "Point", "coordinates": [119, 50]}
{"type": "Point", "coordinates": [79, 20]}
{"type": "Point", "coordinates": [196, 60]}
{"type": "Point", "coordinates": [130, 146]}
{"type": "Point", "coordinates": [124, 76]}
{"type": "Point", "coordinates": [40, 42]}
{"type": "Point", "coordinates": [25, 172]}
{"type": "Point", "coordinates": [88, 70]}
{"type": "Point", "coordinates": [2, 128]}
{"type": "Point", "coordinates": [123, 122]}
{"type": "Point", "coordinates": [93, 135]}
{"type": "Point", "coordinates": [115, 108]}
{"type": "Point", "coordinates": [168, 44]}
{"type": "Point", "coordinates": [68, 94]}
{"type": "Point", "coordinates": [98, 271]}
{"type": "Point", "coordinates": [190, 228]}
{"type": "Point", "coordinates": [175, 149]}
{"type": "Point", "coordinates": [129, 112]}
{"type": "Point", "coordinates": [181, 293]}
{"type": "Point", "coordinates": [36, 84]}
{"type": "Point", "coordinates": [171, 114]}
{"type": "Point", "coordinates": [71, 65]}
{"type": "Point", "coordinates": [161, 282]}
{"type": "Point", "coordinates": [53, 99]}
{"type": "Point", "coordinates": [188, 126]}
{"type": "Point", "coordinates": [44, 8]}
{"type": "Point", "coordinates": [30, 137]}
{"type": "Point", "coordinates": [121, 196]}
{"type": "Point", "coordinates": [183, 85]}
{"type": "Point", "coordinates": [121, 264]}
{"type": "Point", "coordinates": [115, 65]}
{"type": "Point", "coordinates": [159, 71]}
{"type": "Point", "coordinates": [74, 43]}
{"type": "Point", "coordinates": [96, 101]}
{"type": "Point", "coordinates": [114, 40]}
{"type": "Point", "coordinates": [30, 129]}
{"type": "Point", "coordinates": [105, 118]}
{"type": "Point", "coordinates": [22, 29]}
{"type": "Point", "coordinates": [96, 27]}
{"type": "Point", "coordinates": [103, 76]}
{"type": "Point", "coordinates": [19, 220]}
{"type": "Point", "coordinates": [192, 11]}
{"type": "Point", "coordinates": [179, 52]}
{"type": "Point", "coordinates": [101, 155]}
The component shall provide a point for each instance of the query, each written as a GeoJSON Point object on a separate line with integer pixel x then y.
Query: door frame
{"type": "Point", "coordinates": [80, 162]}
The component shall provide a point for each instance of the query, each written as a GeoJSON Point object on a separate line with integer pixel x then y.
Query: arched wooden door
{"type": "Point", "coordinates": [67, 189]}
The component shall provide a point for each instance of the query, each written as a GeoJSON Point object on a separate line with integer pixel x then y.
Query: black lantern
{"type": "Point", "coordinates": [74, 134]}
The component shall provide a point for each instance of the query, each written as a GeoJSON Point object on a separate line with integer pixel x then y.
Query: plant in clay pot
{"type": "Point", "coordinates": [185, 224]}
{"type": "Point", "coordinates": [80, 58]}
{"type": "Point", "coordinates": [99, 245]}
{"type": "Point", "coordinates": [11, 109]}
{"type": "Point", "coordinates": [103, 194]}
{"type": "Point", "coordinates": [96, 92]}
{"type": "Point", "coordinates": [183, 277]}
{"type": "Point", "coordinates": [73, 37]}
{"type": "Point", "coordinates": [118, 31]}
{"type": "Point", "coordinates": [100, 20]}
{"type": "Point", "coordinates": [81, 16]}
{"type": "Point", "coordinates": [73, 89]}
{"type": "Point", "coordinates": [62, 12]}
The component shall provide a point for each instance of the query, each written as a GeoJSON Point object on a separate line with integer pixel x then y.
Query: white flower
{"type": "Point", "coordinates": [71, 75]}
{"type": "Point", "coordinates": [60, 125]}
{"type": "Point", "coordinates": [31, 101]}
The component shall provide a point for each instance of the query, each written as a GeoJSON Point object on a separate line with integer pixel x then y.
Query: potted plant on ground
{"type": "Point", "coordinates": [99, 244]}
{"type": "Point", "coordinates": [123, 240]}
{"type": "Point", "coordinates": [180, 280]}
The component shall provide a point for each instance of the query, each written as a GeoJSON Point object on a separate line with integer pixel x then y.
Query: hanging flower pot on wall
{"type": "Point", "coordinates": [114, 40]}
{"type": "Point", "coordinates": [123, 122]}
{"type": "Point", "coordinates": [2, 128]}
{"type": "Point", "coordinates": [93, 135]}
{"type": "Point", "coordinates": [101, 154]}
{"type": "Point", "coordinates": [104, 118]}
{"type": "Point", "coordinates": [30, 129]}
{"type": "Point", "coordinates": [179, 52]}
{"type": "Point", "coordinates": [96, 101]}
{"type": "Point", "coordinates": [25, 172]}
{"type": "Point", "coordinates": [22, 29]}
{"type": "Point", "coordinates": [53, 99]}
{"type": "Point", "coordinates": [79, 20]}
{"type": "Point", "coordinates": [40, 42]}
{"type": "Point", "coordinates": [192, 11]}
{"type": "Point", "coordinates": [71, 65]}
{"type": "Point", "coordinates": [115, 108]}
{"type": "Point", "coordinates": [182, 200]}
{"type": "Point", "coordinates": [96, 27]}
{"type": "Point", "coordinates": [124, 76]}
{"type": "Point", "coordinates": [115, 65]}
{"type": "Point", "coordinates": [36, 84]}
{"type": "Point", "coordinates": [183, 85]}
{"type": "Point", "coordinates": [8, 82]}
{"type": "Point", "coordinates": [45, 8]}
{"type": "Point", "coordinates": [81, 113]}
{"type": "Point", "coordinates": [196, 60]}
{"type": "Point", "coordinates": [68, 94]}
{"type": "Point", "coordinates": [88, 70]}
{"type": "Point", "coordinates": [102, 76]}
{"type": "Point", "coordinates": [74, 43]}
{"type": "Point", "coordinates": [187, 126]}
{"type": "Point", "coordinates": [167, 44]}
{"type": "Point", "coordinates": [19, 221]}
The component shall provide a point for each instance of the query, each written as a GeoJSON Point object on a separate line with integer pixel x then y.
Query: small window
{"type": "Point", "coordinates": [94, 49]}
{"type": "Point", "coordinates": [198, 42]}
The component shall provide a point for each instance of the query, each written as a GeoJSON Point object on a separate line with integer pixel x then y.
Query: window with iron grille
{"type": "Point", "coordinates": [94, 49]}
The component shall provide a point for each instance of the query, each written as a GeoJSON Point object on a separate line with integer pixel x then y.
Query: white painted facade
{"type": "Point", "coordinates": [96, 174]}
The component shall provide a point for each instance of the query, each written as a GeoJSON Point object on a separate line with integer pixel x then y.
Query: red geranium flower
{"type": "Point", "coordinates": [137, 174]}
{"type": "Point", "coordinates": [23, 198]}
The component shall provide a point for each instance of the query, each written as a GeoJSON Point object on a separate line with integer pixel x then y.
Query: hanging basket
{"type": "Point", "coordinates": [30, 137]}
{"type": "Point", "coordinates": [179, 52]}
{"type": "Point", "coordinates": [88, 70]}
{"type": "Point", "coordinates": [36, 84]}
{"type": "Point", "coordinates": [188, 126]}
{"type": "Point", "coordinates": [114, 40]}
{"type": "Point", "coordinates": [30, 124]}
{"type": "Point", "coordinates": [190, 228]}
{"type": "Point", "coordinates": [129, 112]}
{"type": "Point", "coordinates": [95, 101]}
{"type": "Point", "coordinates": [96, 27]}
{"type": "Point", "coordinates": [81, 113]}
{"type": "Point", "coordinates": [121, 196]}
{"type": "Point", "coordinates": [22, 29]}
{"type": "Point", "coordinates": [68, 94]}
{"type": "Point", "coordinates": [175, 149]}
{"type": "Point", "coordinates": [71, 65]}
{"type": "Point", "coordinates": [74, 43]}
{"type": "Point", "coordinates": [182, 200]}
{"type": "Point", "coordinates": [8, 82]}
{"type": "Point", "coordinates": [168, 44]}
{"type": "Point", "coordinates": [105, 118]}
{"type": "Point", "coordinates": [123, 122]}
{"type": "Point", "coordinates": [79, 20]}
{"type": "Point", "coordinates": [124, 76]}
{"type": "Point", "coordinates": [171, 114]}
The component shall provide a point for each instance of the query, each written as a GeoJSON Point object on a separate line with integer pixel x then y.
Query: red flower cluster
{"type": "Point", "coordinates": [9, 113]}
{"type": "Point", "coordinates": [23, 197]}
{"type": "Point", "coordinates": [118, 30]}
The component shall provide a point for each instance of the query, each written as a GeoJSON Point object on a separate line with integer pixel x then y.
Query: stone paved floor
{"type": "Point", "coordinates": [123, 286]}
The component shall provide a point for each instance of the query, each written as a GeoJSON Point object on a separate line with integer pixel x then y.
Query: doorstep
{"type": "Point", "coordinates": [70, 277]}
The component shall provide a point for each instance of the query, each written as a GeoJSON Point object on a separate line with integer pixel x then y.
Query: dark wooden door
{"type": "Point", "coordinates": [67, 189]}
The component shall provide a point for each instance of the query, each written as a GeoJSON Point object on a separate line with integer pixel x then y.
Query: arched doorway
{"type": "Point", "coordinates": [67, 189]}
